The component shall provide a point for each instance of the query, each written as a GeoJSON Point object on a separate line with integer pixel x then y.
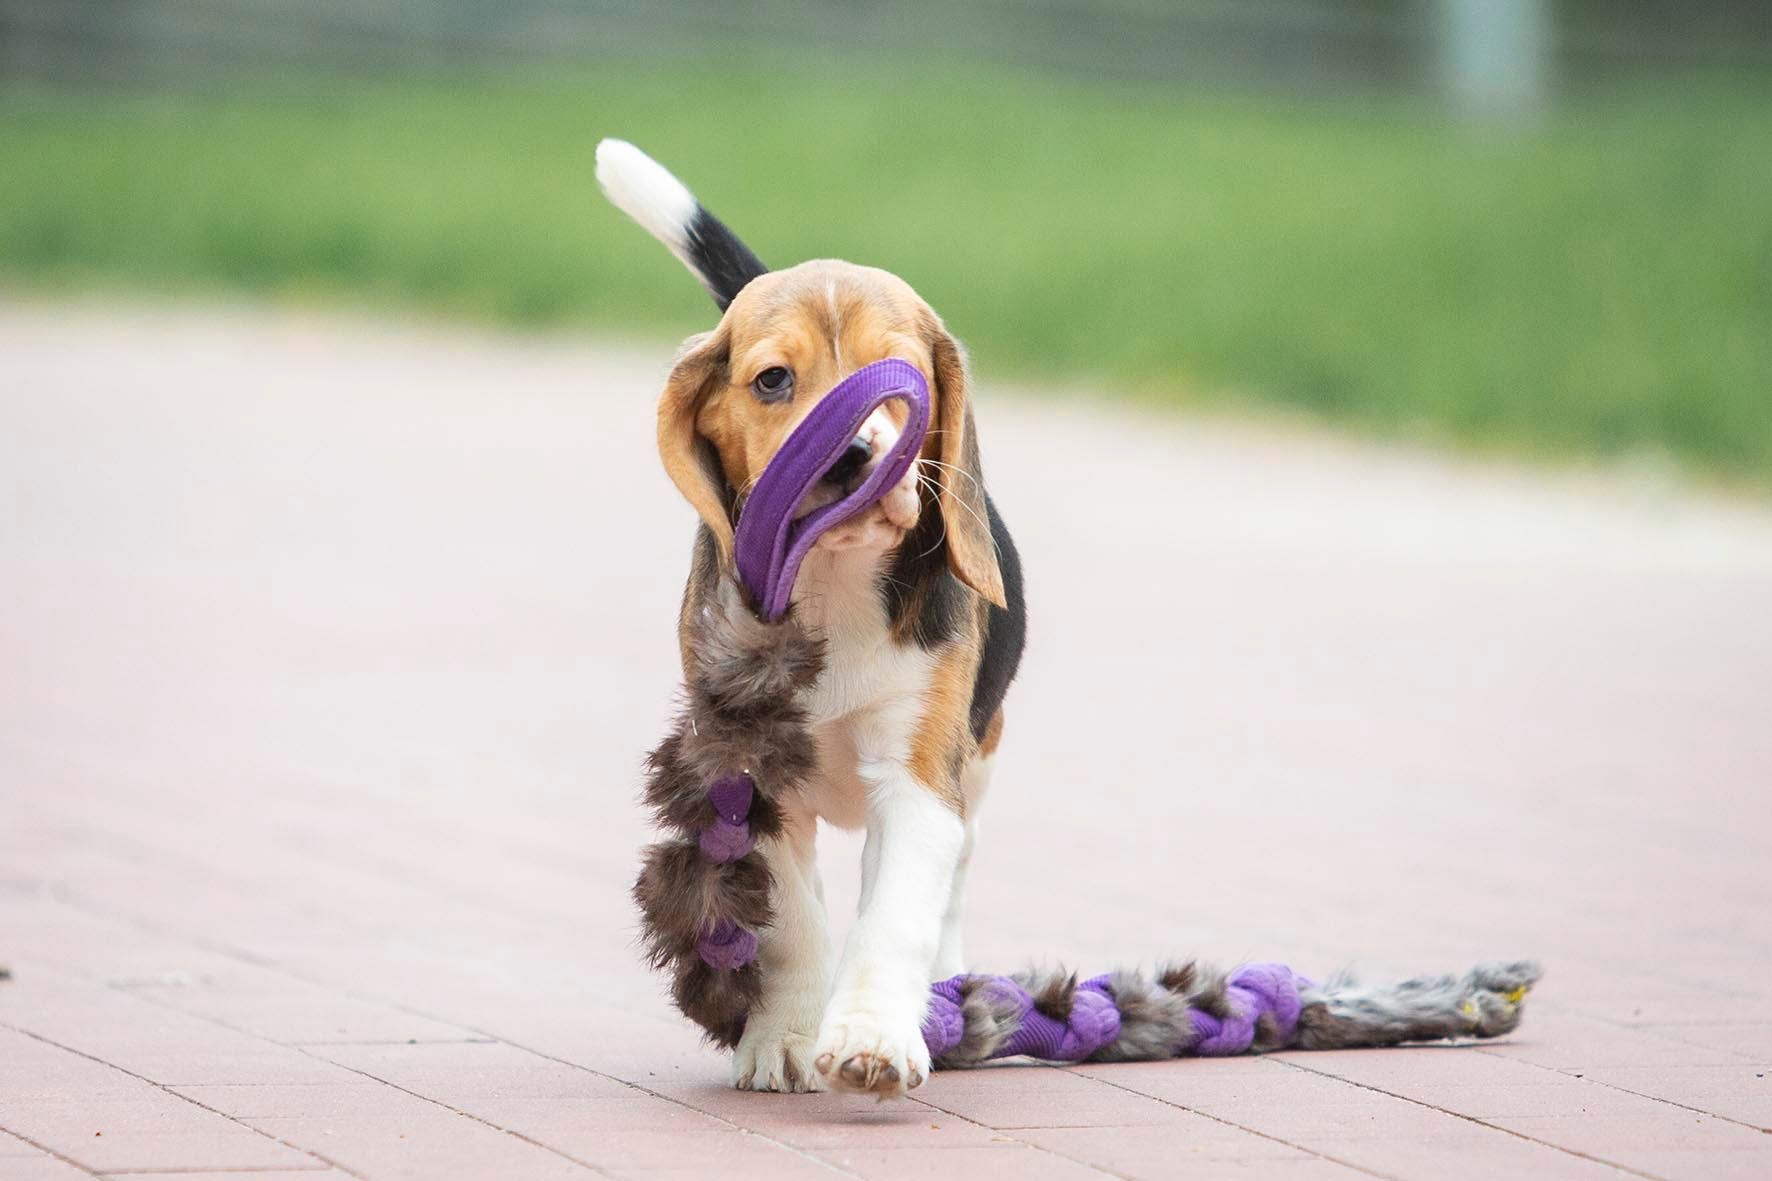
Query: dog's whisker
{"type": "Point", "coordinates": [956, 469]}
{"type": "Point", "coordinates": [973, 513]}
{"type": "Point", "coordinates": [935, 489]}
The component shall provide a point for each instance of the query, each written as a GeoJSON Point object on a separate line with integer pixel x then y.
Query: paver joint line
{"type": "Point", "coordinates": [168, 1091]}
{"type": "Point", "coordinates": [1233, 1124]}
{"type": "Point", "coordinates": [490, 1040]}
{"type": "Point", "coordinates": [1482, 1123]}
{"type": "Point", "coordinates": [1663, 1100]}
{"type": "Point", "coordinates": [48, 1151]}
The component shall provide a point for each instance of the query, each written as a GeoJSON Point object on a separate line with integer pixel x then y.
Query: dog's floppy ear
{"type": "Point", "coordinates": [689, 458]}
{"type": "Point", "coordinates": [972, 553]}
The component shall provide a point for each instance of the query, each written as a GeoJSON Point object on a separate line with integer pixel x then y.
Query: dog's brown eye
{"type": "Point", "coordinates": [774, 383]}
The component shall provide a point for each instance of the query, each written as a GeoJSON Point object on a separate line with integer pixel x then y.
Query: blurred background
{"type": "Point", "coordinates": [1538, 226]}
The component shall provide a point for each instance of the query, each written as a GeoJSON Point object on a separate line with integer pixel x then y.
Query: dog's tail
{"type": "Point", "coordinates": [645, 190]}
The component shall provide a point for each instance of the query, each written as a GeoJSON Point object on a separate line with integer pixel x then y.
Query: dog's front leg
{"type": "Point", "coordinates": [871, 1038]}
{"type": "Point", "coordinates": [775, 1053]}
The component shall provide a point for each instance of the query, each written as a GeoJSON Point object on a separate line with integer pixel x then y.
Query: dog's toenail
{"type": "Point", "coordinates": [890, 1074]}
{"type": "Point", "coordinates": [855, 1071]}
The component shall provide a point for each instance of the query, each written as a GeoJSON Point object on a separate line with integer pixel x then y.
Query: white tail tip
{"type": "Point", "coordinates": [645, 190]}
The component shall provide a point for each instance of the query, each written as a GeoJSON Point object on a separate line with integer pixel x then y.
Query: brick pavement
{"type": "Point", "coordinates": [329, 651]}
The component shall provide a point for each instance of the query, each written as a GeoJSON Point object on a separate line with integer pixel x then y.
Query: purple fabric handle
{"type": "Point", "coordinates": [770, 544]}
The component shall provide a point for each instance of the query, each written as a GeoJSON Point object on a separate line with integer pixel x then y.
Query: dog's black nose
{"type": "Point", "coordinates": [850, 462]}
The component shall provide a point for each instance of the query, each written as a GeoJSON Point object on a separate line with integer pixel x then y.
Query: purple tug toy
{"type": "Point", "coordinates": [704, 896]}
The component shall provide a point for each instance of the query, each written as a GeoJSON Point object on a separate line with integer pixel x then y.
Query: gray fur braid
{"type": "Point", "coordinates": [1484, 1002]}
{"type": "Point", "coordinates": [739, 713]}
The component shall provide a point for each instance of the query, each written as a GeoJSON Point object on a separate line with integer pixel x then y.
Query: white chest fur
{"type": "Point", "coordinates": [867, 701]}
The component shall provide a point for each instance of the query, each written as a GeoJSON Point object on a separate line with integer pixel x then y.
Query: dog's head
{"type": "Point", "coordinates": [786, 339]}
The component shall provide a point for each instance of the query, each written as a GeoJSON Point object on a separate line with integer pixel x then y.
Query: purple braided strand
{"type": "Point", "coordinates": [1254, 991]}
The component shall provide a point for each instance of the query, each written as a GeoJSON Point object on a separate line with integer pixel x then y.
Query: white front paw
{"type": "Point", "coordinates": [772, 1058]}
{"type": "Point", "coordinates": [859, 1050]}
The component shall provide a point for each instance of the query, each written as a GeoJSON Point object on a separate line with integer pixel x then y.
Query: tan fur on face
{"type": "Point", "coordinates": [822, 321]}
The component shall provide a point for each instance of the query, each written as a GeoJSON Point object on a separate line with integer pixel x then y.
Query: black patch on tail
{"type": "Point", "coordinates": [724, 263]}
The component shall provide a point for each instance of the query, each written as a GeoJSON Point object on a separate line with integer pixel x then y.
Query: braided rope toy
{"type": "Point", "coordinates": [741, 744]}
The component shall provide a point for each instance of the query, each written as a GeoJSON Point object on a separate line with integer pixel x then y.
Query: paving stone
{"type": "Point", "coordinates": [1042, 1097]}
{"type": "Point", "coordinates": [322, 1173]}
{"type": "Point", "coordinates": [105, 1120]}
{"type": "Point", "coordinates": [993, 1160]}
{"type": "Point", "coordinates": [1160, 1152]}
{"type": "Point", "coordinates": [422, 1141]}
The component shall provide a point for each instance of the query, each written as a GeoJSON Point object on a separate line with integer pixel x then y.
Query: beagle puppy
{"type": "Point", "coordinates": [918, 600]}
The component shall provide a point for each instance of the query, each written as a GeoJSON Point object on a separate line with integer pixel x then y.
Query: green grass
{"type": "Point", "coordinates": [1598, 284]}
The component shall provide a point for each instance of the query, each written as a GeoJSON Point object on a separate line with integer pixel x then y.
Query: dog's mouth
{"type": "Point", "coordinates": [871, 446]}
{"type": "Point", "coordinates": [849, 472]}
{"type": "Point", "coordinates": [898, 506]}
{"type": "Point", "coordinates": [817, 499]}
